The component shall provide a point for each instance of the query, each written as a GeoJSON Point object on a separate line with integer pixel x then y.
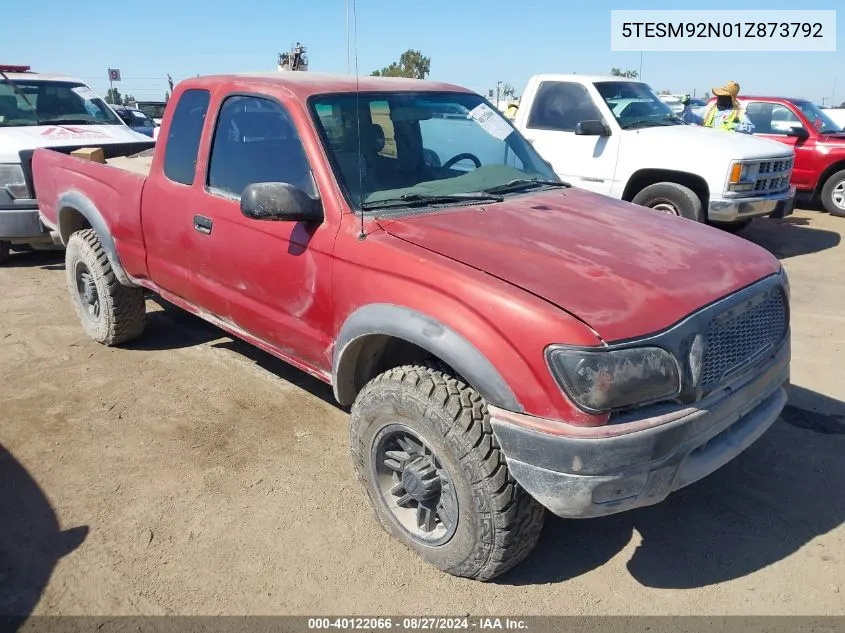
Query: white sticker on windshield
{"type": "Point", "coordinates": [85, 92]}
{"type": "Point", "coordinates": [492, 123]}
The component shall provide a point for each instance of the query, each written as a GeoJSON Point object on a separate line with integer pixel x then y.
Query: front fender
{"type": "Point", "coordinates": [425, 332]}
{"type": "Point", "coordinates": [69, 206]}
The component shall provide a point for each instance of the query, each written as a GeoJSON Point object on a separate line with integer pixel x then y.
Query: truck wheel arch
{"type": "Point", "coordinates": [827, 173]}
{"type": "Point", "coordinates": [643, 178]}
{"type": "Point", "coordinates": [365, 341]}
{"type": "Point", "coordinates": [76, 212]}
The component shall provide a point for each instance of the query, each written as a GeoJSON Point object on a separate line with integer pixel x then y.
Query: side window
{"type": "Point", "coordinates": [771, 118]}
{"type": "Point", "coordinates": [183, 141]}
{"type": "Point", "coordinates": [255, 141]}
{"type": "Point", "coordinates": [386, 138]}
{"type": "Point", "coordinates": [560, 106]}
{"type": "Point", "coordinates": [784, 120]}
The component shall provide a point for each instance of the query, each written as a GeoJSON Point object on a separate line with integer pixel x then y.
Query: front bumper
{"type": "Point", "coordinates": [589, 472]}
{"type": "Point", "coordinates": [738, 209]}
{"type": "Point", "coordinates": [20, 223]}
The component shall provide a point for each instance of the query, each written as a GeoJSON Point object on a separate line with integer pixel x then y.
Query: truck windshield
{"type": "Point", "coordinates": [51, 102]}
{"type": "Point", "coordinates": [435, 147]}
{"type": "Point", "coordinates": [152, 110]}
{"type": "Point", "coordinates": [823, 123]}
{"type": "Point", "coordinates": [635, 105]}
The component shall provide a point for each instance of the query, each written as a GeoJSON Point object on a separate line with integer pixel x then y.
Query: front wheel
{"type": "Point", "coordinates": [4, 251]}
{"type": "Point", "coordinates": [424, 452]}
{"type": "Point", "coordinates": [111, 313]}
{"type": "Point", "coordinates": [673, 199]}
{"type": "Point", "coordinates": [833, 194]}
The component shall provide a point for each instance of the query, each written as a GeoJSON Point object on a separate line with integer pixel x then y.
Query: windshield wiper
{"type": "Point", "coordinates": [422, 199]}
{"type": "Point", "coordinates": [646, 122]}
{"type": "Point", "coordinates": [524, 183]}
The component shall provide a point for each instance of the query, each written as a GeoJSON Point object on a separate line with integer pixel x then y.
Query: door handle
{"type": "Point", "coordinates": [202, 224]}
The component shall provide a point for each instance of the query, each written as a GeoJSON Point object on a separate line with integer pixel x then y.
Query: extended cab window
{"type": "Point", "coordinates": [183, 141]}
{"type": "Point", "coordinates": [255, 141]}
{"type": "Point", "coordinates": [772, 118]}
{"type": "Point", "coordinates": [560, 106]}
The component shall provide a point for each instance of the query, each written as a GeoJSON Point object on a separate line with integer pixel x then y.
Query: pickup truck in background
{"type": "Point", "coordinates": [507, 343]}
{"type": "Point", "coordinates": [818, 142]}
{"type": "Point", "coordinates": [41, 110]}
{"type": "Point", "coordinates": [153, 109]}
{"type": "Point", "coordinates": [837, 115]}
{"type": "Point", "coordinates": [615, 136]}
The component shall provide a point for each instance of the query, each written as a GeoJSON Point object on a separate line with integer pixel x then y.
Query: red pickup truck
{"type": "Point", "coordinates": [819, 145]}
{"type": "Point", "coordinates": [506, 343]}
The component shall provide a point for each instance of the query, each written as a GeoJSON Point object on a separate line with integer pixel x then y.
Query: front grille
{"type": "Point", "coordinates": [773, 175]}
{"type": "Point", "coordinates": [736, 338]}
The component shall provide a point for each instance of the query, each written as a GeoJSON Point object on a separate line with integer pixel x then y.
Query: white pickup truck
{"type": "Point", "coordinates": [837, 115]}
{"type": "Point", "coordinates": [614, 136]}
{"type": "Point", "coordinates": [41, 110]}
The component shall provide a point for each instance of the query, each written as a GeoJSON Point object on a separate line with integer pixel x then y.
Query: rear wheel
{"type": "Point", "coordinates": [4, 251]}
{"type": "Point", "coordinates": [673, 199]}
{"type": "Point", "coordinates": [833, 194]}
{"type": "Point", "coordinates": [424, 452]}
{"type": "Point", "coordinates": [110, 312]}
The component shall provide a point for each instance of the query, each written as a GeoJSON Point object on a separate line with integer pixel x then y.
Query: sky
{"type": "Point", "coordinates": [474, 44]}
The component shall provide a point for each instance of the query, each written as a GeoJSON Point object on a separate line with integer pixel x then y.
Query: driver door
{"type": "Point", "coordinates": [777, 122]}
{"type": "Point", "coordinates": [587, 162]}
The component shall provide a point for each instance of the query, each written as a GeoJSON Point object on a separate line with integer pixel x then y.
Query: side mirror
{"type": "Point", "coordinates": [591, 128]}
{"type": "Point", "coordinates": [798, 132]}
{"type": "Point", "coordinates": [281, 202]}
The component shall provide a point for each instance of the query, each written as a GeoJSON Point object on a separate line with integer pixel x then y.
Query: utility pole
{"type": "Point", "coordinates": [498, 86]}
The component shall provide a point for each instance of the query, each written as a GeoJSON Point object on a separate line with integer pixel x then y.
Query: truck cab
{"type": "Point", "coordinates": [41, 110]}
{"type": "Point", "coordinates": [818, 142]}
{"type": "Point", "coordinates": [616, 137]}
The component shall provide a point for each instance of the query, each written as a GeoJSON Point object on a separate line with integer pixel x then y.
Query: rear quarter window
{"type": "Point", "coordinates": [183, 139]}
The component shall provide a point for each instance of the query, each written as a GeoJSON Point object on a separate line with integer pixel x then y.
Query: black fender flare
{"type": "Point", "coordinates": [425, 332]}
{"type": "Point", "coordinates": [74, 202]}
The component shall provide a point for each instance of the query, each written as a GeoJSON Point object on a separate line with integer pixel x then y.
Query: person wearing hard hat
{"type": "Point", "coordinates": [727, 114]}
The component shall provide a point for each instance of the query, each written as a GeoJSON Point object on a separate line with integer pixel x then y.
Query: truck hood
{"type": "Point", "coordinates": [625, 270]}
{"type": "Point", "coordinates": [15, 139]}
{"type": "Point", "coordinates": [703, 142]}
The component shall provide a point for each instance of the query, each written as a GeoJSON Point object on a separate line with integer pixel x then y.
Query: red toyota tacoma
{"type": "Point", "coordinates": [506, 343]}
{"type": "Point", "coordinates": [818, 141]}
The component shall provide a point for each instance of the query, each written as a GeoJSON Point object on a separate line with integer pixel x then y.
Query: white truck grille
{"type": "Point", "coordinates": [773, 175]}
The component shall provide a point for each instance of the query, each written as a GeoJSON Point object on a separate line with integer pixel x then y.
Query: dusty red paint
{"type": "Point", "coordinates": [498, 275]}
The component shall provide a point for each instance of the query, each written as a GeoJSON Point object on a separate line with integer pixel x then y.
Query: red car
{"type": "Point", "coordinates": [819, 145]}
{"type": "Point", "coordinates": [507, 343]}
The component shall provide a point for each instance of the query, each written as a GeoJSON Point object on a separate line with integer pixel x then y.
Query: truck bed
{"type": "Point", "coordinates": [105, 194]}
{"type": "Point", "coordinates": [137, 164]}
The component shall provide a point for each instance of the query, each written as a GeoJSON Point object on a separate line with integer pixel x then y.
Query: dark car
{"type": "Point", "coordinates": [136, 119]}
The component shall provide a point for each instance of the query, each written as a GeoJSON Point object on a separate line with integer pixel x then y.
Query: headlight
{"type": "Point", "coordinates": [13, 181]}
{"type": "Point", "coordinates": [600, 381]}
{"type": "Point", "coordinates": [743, 176]}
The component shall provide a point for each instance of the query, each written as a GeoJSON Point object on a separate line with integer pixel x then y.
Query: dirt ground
{"type": "Point", "coordinates": [189, 473]}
